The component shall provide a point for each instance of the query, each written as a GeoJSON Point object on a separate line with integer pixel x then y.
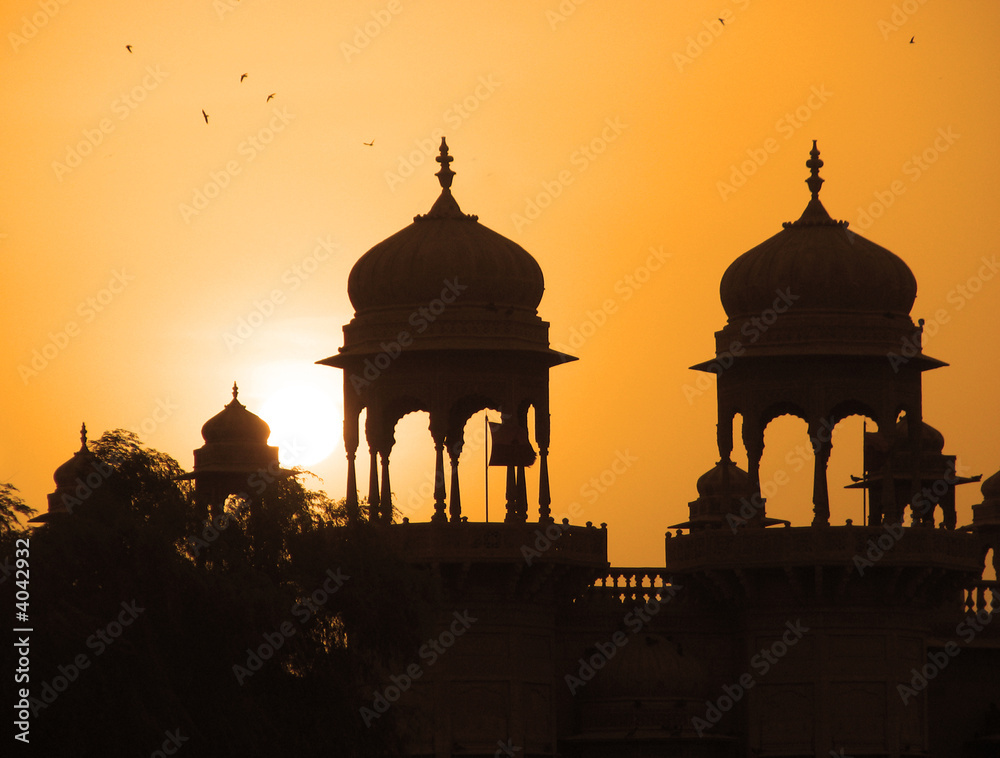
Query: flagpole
{"type": "Point", "coordinates": [864, 474]}
{"type": "Point", "coordinates": [486, 460]}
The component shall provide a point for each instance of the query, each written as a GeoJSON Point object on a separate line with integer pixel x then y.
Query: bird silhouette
{"type": "Point", "coordinates": [270, 96]}
{"type": "Point", "coordinates": [205, 115]}
{"type": "Point", "coordinates": [129, 48]}
{"type": "Point", "coordinates": [722, 21]}
{"type": "Point", "coordinates": [369, 144]}
{"type": "Point", "coordinates": [911, 40]}
{"type": "Point", "coordinates": [243, 77]}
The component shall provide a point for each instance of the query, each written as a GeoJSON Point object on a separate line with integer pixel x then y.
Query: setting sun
{"type": "Point", "coordinates": [304, 423]}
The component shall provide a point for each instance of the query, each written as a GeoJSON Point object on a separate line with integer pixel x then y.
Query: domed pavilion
{"type": "Point", "coordinates": [446, 322]}
{"type": "Point", "coordinates": [819, 327]}
{"type": "Point", "coordinates": [235, 459]}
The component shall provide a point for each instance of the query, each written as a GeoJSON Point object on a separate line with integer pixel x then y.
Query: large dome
{"type": "Point", "coordinates": [822, 265]}
{"type": "Point", "coordinates": [413, 266]}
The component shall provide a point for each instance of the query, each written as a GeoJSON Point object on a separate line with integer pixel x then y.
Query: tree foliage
{"type": "Point", "coordinates": [12, 506]}
{"type": "Point", "coordinates": [251, 637]}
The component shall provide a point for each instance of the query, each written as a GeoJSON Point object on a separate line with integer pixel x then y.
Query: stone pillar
{"type": "Point", "coordinates": [439, 489]}
{"type": "Point", "coordinates": [455, 508]}
{"type": "Point", "coordinates": [512, 509]}
{"type": "Point", "coordinates": [351, 413]}
{"type": "Point", "coordinates": [386, 499]}
{"type": "Point", "coordinates": [373, 495]}
{"type": "Point", "coordinates": [822, 444]}
{"type": "Point", "coordinates": [753, 440]}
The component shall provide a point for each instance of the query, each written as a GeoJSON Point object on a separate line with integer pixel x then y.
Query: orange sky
{"type": "Point", "coordinates": [135, 238]}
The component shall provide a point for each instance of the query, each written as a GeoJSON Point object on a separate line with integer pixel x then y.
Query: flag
{"type": "Point", "coordinates": [510, 445]}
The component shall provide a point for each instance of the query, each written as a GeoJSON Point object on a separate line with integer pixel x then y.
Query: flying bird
{"type": "Point", "coordinates": [129, 48]}
{"type": "Point", "coordinates": [722, 21]}
{"type": "Point", "coordinates": [205, 115]}
{"type": "Point", "coordinates": [911, 40]}
{"type": "Point", "coordinates": [270, 96]}
{"type": "Point", "coordinates": [369, 144]}
{"type": "Point", "coordinates": [243, 77]}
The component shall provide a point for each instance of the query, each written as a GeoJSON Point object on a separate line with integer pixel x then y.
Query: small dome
{"type": "Point", "coordinates": [931, 440]}
{"type": "Point", "coordinates": [236, 424]}
{"type": "Point", "coordinates": [77, 468]}
{"type": "Point", "coordinates": [991, 488]}
{"type": "Point", "coordinates": [986, 515]}
{"type": "Point", "coordinates": [412, 267]}
{"type": "Point", "coordinates": [822, 265]}
{"type": "Point", "coordinates": [713, 483]}
{"type": "Point", "coordinates": [74, 479]}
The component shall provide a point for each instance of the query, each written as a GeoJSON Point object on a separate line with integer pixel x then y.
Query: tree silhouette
{"type": "Point", "coordinates": [12, 506]}
{"type": "Point", "coordinates": [264, 647]}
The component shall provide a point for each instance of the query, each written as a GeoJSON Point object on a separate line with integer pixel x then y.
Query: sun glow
{"type": "Point", "coordinates": [304, 421]}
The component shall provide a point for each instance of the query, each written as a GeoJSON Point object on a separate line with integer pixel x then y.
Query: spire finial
{"type": "Point", "coordinates": [83, 436]}
{"type": "Point", "coordinates": [445, 175]}
{"type": "Point", "coordinates": [236, 391]}
{"type": "Point", "coordinates": [814, 214]}
{"type": "Point", "coordinates": [815, 181]}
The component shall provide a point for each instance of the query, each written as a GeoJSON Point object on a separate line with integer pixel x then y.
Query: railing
{"type": "Point", "coordinates": [628, 585]}
{"type": "Point", "coordinates": [982, 596]}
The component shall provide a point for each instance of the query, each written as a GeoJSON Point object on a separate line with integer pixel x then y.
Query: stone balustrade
{"type": "Point", "coordinates": [982, 595]}
{"type": "Point", "coordinates": [630, 585]}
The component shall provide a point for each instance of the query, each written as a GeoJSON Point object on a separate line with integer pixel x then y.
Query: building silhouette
{"type": "Point", "coordinates": [754, 637]}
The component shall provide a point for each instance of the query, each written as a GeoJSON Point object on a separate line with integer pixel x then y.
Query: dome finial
{"type": "Point", "coordinates": [83, 436]}
{"type": "Point", "coordinates": [445, 175]}
{"type": "Point", "coordinates": [815, 181]}
{"type": "Point", "coordinates": [236, 391]}
{"type": "Point", "coordinates": [814, 214]}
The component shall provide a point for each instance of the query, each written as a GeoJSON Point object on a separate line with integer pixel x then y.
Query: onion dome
{"type": "Point", "coordinates": [725, 478]}
{"type": "Point", "coordinates": [987, 513]}
{"type": "Point", "coordinates": [235, 459]}
{"type": "Point", "coordinates": [236, 424]}
{"type": "Point", "coordinates": [822, 264]}
{"type": "Point", "coordinates": [726, 501]}
{"type": "Point", "coordinates": [931, 440]}
{"type": "Point", "coordinates": [410, 268]}
{"type": "Point", "coordinates": [75, 480]}
{"type": "Point", "coordinates": [78, 467]}
{"type": "Point", "coordinates": [991, 488]}
{"type": "Point", "coordinates": [817, 288]}
{"type": "Point", "coordinates": [445, 282]}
